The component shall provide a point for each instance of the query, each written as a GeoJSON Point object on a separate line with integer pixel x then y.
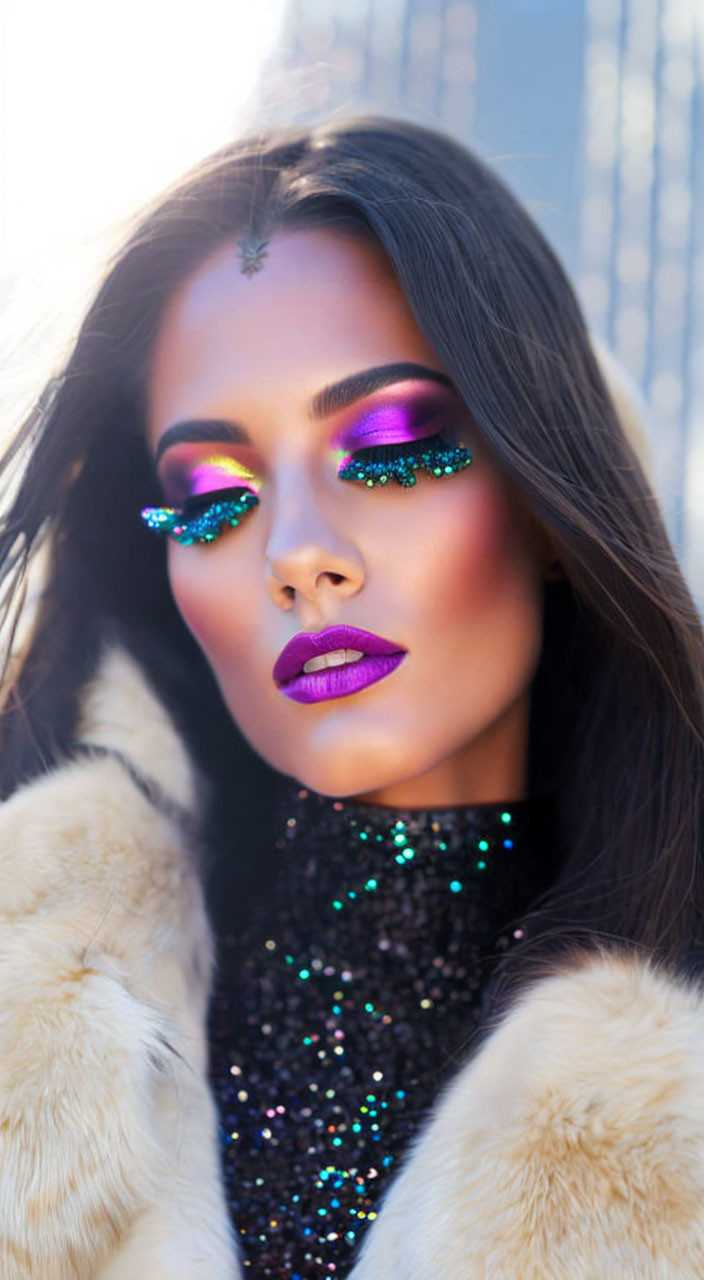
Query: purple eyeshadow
{"type": "Point", "coordinates": [385, 425]}
{"type": "Point", "coordinates": [391, 424]}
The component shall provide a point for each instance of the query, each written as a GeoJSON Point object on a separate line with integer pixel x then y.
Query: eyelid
{"type": "Point", "coordinates": [192, 473]}
{"type": "Point", "coordinates": [396, 421]}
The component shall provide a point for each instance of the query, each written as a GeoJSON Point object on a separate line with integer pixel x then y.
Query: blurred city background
{"type": "Point", "coordinates": [591, 110]}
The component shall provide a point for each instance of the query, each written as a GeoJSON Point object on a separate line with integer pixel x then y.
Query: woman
{"type": "Point", "coordinates": [401, 642]}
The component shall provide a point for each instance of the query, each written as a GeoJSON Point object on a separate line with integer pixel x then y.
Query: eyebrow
{"type": "Point", "coordinates": [331, 399]}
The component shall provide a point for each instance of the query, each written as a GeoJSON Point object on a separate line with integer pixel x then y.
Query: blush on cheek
{"type": "Point", "coordinates": [200, 599]}
{"type": "Point", "coordinates": [492, 545]}
{"type": "Point", "coordinates": [499, 609]}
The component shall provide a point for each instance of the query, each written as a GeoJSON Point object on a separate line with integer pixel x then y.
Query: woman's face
{"type": "Point", "coordinates": [273, 368]}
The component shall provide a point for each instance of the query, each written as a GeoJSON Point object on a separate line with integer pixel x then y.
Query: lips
{"type": "Point", "coordinates": [302, 647]}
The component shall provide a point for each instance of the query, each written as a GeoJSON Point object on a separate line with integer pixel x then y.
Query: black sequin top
{"type": "Point", "coordinates": [358, 991]}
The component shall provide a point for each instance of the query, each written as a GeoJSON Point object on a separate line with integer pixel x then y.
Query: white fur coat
{"type": "Point", "coordinates": [571, 1146]}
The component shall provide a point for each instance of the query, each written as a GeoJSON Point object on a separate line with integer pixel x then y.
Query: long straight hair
{"type": "Point", "coordinates": [617, 719]}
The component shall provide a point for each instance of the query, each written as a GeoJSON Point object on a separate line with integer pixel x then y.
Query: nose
{"type": "Point", "coordinates": [308, 557]}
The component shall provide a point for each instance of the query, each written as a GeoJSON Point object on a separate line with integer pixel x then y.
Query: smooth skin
{"type": "Point", "coordinates": [452, 570]}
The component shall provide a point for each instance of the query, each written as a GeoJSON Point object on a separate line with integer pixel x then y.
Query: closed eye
{"type": "Point", "coordinates": [197, 503]}
{"type": "Point", "coordinates": [377, 464]}
{"type": "Point", "coordinates": [203, 517]}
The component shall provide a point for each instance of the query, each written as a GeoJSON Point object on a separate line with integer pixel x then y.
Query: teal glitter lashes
{"type": "Point", "coordinates": [381, 463]}
{"type": "Point", "coordinates": [374, 466]}
{"type": "Point", "coordinates": [203, 526]}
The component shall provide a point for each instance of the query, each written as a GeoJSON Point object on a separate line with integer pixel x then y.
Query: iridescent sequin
{"type": "Point", "coordinates": [358, 993]}
{"type": "Point", "coordinates": [206, 525]}
{"type": "Point", "coordinates": [379, 465]}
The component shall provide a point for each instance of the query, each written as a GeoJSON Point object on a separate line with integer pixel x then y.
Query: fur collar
{"type": "Point", "coordinates": [570, 1147]}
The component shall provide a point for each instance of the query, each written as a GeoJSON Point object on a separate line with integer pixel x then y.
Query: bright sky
{"type": "Point", "coordinates": [100, 107]}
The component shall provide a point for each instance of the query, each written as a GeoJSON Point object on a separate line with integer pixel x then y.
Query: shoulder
{"type": "Point", "coordinates": [570, 1146]}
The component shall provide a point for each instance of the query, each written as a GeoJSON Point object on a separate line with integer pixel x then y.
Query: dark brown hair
{"type": "Point", "coordinates": [618, 702]}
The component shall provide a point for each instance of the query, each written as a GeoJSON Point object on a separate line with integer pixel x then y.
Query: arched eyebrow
{"type": "Point", "coordinates": [208, 430]}
{"type": "Point", "coordinates": [340, 395]}
{"type": "Point", "coordinates": [331, 399]}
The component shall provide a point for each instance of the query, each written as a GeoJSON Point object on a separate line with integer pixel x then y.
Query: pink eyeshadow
{"type": "Point", "coordinates": [398, 420]}
{"type": "Point", "coordinates": [218, 473]}
{"type": "Point", "coordinates": [182, 479]}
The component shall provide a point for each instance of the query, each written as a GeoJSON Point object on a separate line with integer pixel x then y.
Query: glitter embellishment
{"type": "Point", "coordinates": [203, 527]}
{"type": "Point", "coordinates": [251, 254]}
{"type": "Point", "coordinates": [344, 1005]}
{"type": "Point", "coordinates": [437, 460]}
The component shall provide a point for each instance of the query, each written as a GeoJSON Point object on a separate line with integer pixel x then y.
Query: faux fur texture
{"type": "Point", "coordinates": [108, 1154]}
{"type": "Point", "coordinates": [570, 1147]}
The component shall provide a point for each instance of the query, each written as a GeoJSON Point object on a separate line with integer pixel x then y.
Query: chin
{"type": "Point", "coordinates": [340, 783]}
{"type": "Point", "coordinates": [340, 757]}
{"type": "Point", "coordinates": [342, 777]}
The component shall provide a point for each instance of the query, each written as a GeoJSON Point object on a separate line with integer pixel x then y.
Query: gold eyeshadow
{"type": "Point", "coordinates": [193, 470]}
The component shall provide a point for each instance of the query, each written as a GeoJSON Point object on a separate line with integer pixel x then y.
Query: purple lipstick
{"type": "Point", "coordinates": [371, 658]}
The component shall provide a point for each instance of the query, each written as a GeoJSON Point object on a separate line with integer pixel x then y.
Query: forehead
{"type": "Point", "coordinates": [324, 305]}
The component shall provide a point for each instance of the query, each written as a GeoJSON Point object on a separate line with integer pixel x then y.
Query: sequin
{"type": "Point", "coordinates": [434, 458]}
{"type": "Point", "coordinates": [366, 966]}
{"type": "Point", "coordinates": [202, 527]}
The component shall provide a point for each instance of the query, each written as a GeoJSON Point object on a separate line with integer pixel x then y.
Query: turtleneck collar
{"type": "Point", "coordinates": [498, 853]}
{"type": "Point", "coordinates": [311, 809]}
{"type": "Point", "coordinates": [337, 841]}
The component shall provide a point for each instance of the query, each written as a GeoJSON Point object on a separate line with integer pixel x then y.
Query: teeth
{"type": "Point", "coordinates": [334, 659]}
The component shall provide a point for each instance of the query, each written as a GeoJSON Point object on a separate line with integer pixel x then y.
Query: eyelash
{"type": "Point", "coordinates": [203, 518]}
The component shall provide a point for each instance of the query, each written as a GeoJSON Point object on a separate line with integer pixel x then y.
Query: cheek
{"type": "Point", "coordinates": [483, 591]}
{"type": "Point", "coordinates": [208, 600]}
{"type": "Point", "coordinates": [491, 554]}
{"type": "Point", "coordinates": [478, 553]}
